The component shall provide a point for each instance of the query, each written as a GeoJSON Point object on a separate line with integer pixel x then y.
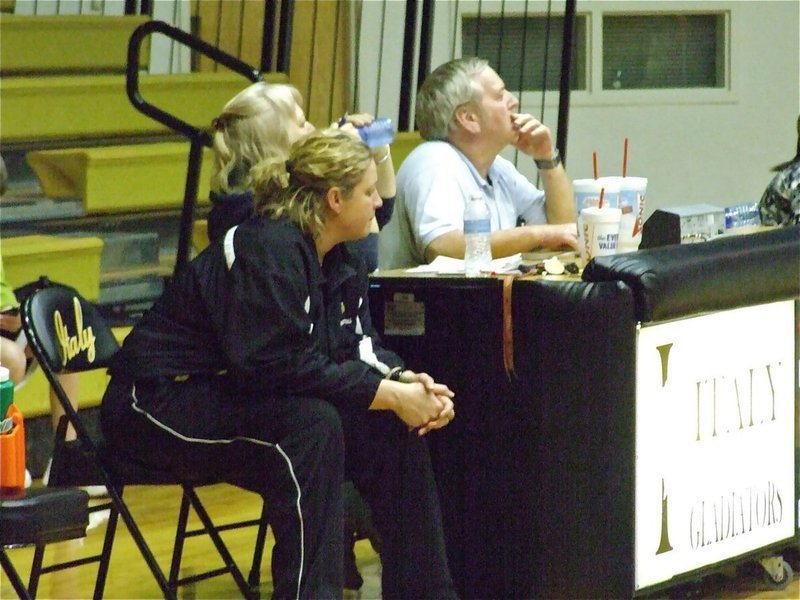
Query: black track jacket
{"type": "Point", "coordinates": [258, 305]}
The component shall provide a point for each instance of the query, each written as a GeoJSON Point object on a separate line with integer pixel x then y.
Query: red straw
{"type": "Point", "coordinates": [602, 193]}
{"type": "Point", "coordinates": [594, 163]}
{"type": "Point", "coordinates": [625, 159]}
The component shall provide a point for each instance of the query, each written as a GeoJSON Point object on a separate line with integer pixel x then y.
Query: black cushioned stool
{"type": "Point", "coordinates": [39, 516]}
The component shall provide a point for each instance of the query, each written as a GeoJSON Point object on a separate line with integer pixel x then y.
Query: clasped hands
{"type": "Point", "coordinates": [426, 405]}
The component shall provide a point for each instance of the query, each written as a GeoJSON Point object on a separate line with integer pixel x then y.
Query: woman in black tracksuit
{"type": "Point", "coordinates": [259, 365]}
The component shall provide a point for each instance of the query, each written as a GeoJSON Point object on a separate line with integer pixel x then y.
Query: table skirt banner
{"type": "Point", "coordinates": [715, 439]}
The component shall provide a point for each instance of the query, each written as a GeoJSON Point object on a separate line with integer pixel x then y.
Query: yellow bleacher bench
{"type": "Point", "coordinates": [75, 107]}
{"type": "Point", "coordinates": [120, 178]}
{"type": "Point", "coordinates": [74, 261]}
{"type": "Point", "coordinates": [47, 43]}
{"type": "Point", "coordinates": [200, 239]}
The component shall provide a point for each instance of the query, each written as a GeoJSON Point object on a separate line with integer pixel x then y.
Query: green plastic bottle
{"type": "Point", "coordinates": [6, 391]}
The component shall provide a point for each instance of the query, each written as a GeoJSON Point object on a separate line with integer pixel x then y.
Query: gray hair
{"type": "Point", "coordinates": [449, 86]}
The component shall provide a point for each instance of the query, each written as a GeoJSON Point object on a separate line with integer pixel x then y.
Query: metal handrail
{"type": "Point", "coordinates": [564, 86]}
{"type": "Point", "coordinates": [198, 137]}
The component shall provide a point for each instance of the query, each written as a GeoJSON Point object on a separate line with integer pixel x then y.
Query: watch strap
{"type": "Point", "coordinates": [544, 164]}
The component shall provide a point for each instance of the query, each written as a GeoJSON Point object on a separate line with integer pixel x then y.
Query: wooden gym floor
{"type": "Point", "coordinates": [156, 508]}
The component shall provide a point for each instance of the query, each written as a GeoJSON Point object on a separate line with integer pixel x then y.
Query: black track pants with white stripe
{"type": "Point", "coordinates": [290, 451]}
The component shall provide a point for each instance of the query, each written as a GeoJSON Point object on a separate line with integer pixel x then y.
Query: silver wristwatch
{"type": "Point", "coordinates": [549, 164]}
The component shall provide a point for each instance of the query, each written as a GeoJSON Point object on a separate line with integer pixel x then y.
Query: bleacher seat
{"type": "Point", "coordinates": [104, 41]}
{"type": "Point", "coordinates": [87, 107]}
{"type": "Point", "coordinates": [200, 235]}
{"type": "Point", "coordinates": [27, 257]}
{"type": "Point", "coordinates": [107, 179]}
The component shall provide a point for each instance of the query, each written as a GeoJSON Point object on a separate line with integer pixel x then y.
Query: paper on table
{"type": "Point", "coordinates": [444, 265]}
{"type": "Point", "coordinates": [541, 255]}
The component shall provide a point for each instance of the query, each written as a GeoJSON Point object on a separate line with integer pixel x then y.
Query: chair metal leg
{"type": "Point", "coordinates": [105, 553]}
{"type": "Point", "coordinates": [36, 570]}
{"type": "Point", "coordinates": [13, 576]}
{"type": "Point", "coordinates": [213, 533]}
{"type": "Point", "coordinates": [137, 536]}
{"type": "Point", "coordinates": [254, 578]}
{"type": "Point", "coordinates": [180, 538]}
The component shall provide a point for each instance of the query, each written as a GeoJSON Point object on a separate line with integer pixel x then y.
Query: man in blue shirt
{"type": "Point", "coordinates": [467, 117]}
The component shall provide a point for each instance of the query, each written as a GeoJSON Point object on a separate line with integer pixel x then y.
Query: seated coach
{"type": "Point", "coordinates": [259, 366]}
{"type": "Point", "coordinates": [467, 117]}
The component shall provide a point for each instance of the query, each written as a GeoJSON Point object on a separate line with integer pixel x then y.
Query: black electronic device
{"type": "Point", "coordinates": [683, 225]}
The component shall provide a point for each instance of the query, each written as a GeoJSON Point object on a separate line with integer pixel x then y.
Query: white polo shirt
{"type": "Point", "coordinates": [434, 184]}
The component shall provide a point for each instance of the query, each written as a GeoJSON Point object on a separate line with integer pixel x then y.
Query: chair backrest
{"type": "Point", "coordinates": [66, 332]}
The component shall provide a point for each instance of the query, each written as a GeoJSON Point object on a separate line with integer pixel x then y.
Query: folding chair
{"type": "Point", "coordinates": [67, 334]}
{"type": "Point", "coordinates": [40, 516]}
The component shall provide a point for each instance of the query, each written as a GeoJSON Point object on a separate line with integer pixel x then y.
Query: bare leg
{"type": "Point", "coordinates": [13, 358]}
{"type": "Point", "coordinates": [70, 383]}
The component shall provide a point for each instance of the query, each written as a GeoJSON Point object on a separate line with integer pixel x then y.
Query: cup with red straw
{"type": "Point", "coordinates": [625, 159]}
{"type": "Point", "coordinates": [631, 201]}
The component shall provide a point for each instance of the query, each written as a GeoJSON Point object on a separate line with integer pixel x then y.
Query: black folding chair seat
{"type": "Point", "coordinates": [57, 317]}
{"type": "Point", "coordinates": [39, 516]}
{"type": "Point", "coordinates": [71, 464]}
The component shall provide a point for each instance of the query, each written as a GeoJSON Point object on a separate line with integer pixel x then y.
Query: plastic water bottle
{"type": "Point", "coordinates": [378, 133]}
{"type": "Point", "coordinates": [6, 391]}
{"type": "Point", "coordinates": [12, 436]}
{"type": "Point", "coordinates": [477, 236]}
{"type": "Point", "coordinates": [741, 215]}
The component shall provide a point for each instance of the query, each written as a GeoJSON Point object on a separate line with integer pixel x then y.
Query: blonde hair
{"type": "Point", "coordinates": [251, 127]}
{"type": "Point", "coordinates": [296, 188]}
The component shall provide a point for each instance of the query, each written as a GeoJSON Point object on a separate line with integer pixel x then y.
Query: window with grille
{"type": "Point", "coordinates": [663, 51]}
{"type": "Point", "coordinates": [516, 47]}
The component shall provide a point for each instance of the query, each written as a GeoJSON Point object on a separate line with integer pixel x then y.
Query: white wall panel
{"type": "Point", "coordinates": [705, 145]}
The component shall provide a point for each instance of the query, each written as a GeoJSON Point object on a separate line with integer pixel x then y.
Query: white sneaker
{"type": "Point", "coordinates": [97, 518]}
{"type": "Point", "coordinates": [28, 478]}
{"type": "Point", "coordinates": [94, 491]}
{"type": "Point", "coordinates": [46, 476]}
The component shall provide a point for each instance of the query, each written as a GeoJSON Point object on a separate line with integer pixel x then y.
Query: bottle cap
{"type": "Point", "coordinates": [5, 374]}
